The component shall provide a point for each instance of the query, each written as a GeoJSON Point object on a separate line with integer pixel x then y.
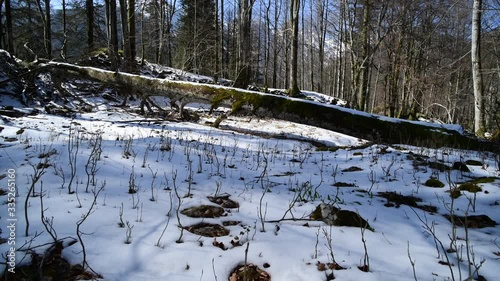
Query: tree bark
{"type": "Point", "coordinates": [479, 121]}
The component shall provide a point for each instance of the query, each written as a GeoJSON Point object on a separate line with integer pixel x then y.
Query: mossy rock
{"type": "Point", "coordinates": [434, 183]}
{"type": "Point", "coordinates": [460, 166]}
{"type": "Point", "coordinates": [474, 163]}
{"type": "Point", "coordinates": [249, 272]}
{"type": "Point", "coordinates": [207, 229]}
{"type": "Point", "coordinates": [337, 217]}
{"type": "Point", "coordinates": [352, 169]}
{"type": "Point", "coordinates": [203, 211]}
{"type": "Point", "coordinates": [439, 166]}
{"type": "Point", "coordinates": [470, 187]}
{"type": "Point", "coordinates": [476, 221]}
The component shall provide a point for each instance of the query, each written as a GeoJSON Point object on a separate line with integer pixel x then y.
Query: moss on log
{"type": "Point", "coordinates": [358, 124]}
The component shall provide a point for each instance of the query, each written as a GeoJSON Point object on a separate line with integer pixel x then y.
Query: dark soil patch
{"type": "Point", "coordinates": [50, 266]}
{"type": "Point", "coordinates": [344, 184]}
{"type": "Point", "coordinates": [250, 272]}
{"type": "Point", "coordinates": [207, 229]}
{"type": "Point", "coordinates": [460, 166]}
{"type": "Point", "coordinates": [352, 169]}
{"type": "Point", "coordinates": [203, 211]}
{"type": "Point", "coordinates": [474, 163]}
{"type": "Point", "coordinates": [396, 200]}
{"type": "Point", "coordinates": [224, 201]}
{"type": "Point", "coordinates": [434, 183]}
{"type": "Point", "coordinates": [230, 223]}
{"type": "Point", "coordinates": [476, 221]}
{"type": "Point", "coordinates": [439, 166]}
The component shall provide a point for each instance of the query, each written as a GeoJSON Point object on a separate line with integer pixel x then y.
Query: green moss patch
{"type": "Point", "coordinates": [432, 182]}
{"type": "Point", "coordinates": [455, 193]}
{"type": "Point", "coordinates": [470, 187]}
{"type": "Point", "coordinates": [483, 180]}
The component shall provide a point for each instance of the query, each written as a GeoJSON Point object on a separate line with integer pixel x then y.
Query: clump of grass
{"type": "Point", "coordinates": [433, 182]}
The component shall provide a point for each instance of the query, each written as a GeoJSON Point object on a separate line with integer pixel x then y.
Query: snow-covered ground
{"type": "Point", "coordinates": [278, 173]}
{"type": "Point", "coordinates": [266, 176]}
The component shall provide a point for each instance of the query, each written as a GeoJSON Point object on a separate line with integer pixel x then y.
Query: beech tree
{"type": "Point", "coordinates": [479, 123]}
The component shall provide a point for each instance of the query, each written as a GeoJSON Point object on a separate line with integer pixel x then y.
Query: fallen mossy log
{"type": "Point", "coordinates": [371, 127]}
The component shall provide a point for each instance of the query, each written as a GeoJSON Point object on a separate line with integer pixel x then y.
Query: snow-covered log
{"type": "Point", "coordinates": [371, 127]}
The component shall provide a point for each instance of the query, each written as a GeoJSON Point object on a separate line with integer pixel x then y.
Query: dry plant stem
{"type": "Point", "coordinates": [38, 172]}
{"type": "Point", "coordinates": [329, 244]}
{"type": "Point", "coordinates": [412, 262]}
{"type": "Point", "coordinates": [178, 208]}
{"type": "Point", "coordinates": [439, 245]}
{"type": "Point", "coordinates": [48, 224]}
{"type": "Point", "coordinates": [84, 217]}
{"type": "Point", "coordinates": [73, 148]}
{"type": "Point", "coordinates": [261, 214]}
{"type": "Point", "coordinates": [94, 157]}
{"type": "Point", "coordinates": [366, 258]}
{"type": "Point", "coordinates": [451, 210]}
{"type": "Point", "coordinates": [213, 269]}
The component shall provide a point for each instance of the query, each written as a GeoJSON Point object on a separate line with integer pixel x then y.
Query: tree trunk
{"type": "Point", "coordinates": [294, 18]}
{"type": "Point", "coordinates": [221, 42]}
{"type": "Point", "coordinates": [90, 23]}
{"type": "Point", "coordinates": [363, 86]}
{"type": "Point", "coordinates": [132, 29]}
{"type": "Point", "coordinates": [127, 52]}
{"type": "Point", "coordinates": [217, 38]}
{"type": "Point", "coordinates": [1, 26]}
{"type": "Point", "coordinates": [64, 50]}
{"type": "Point", "coordinates": [10, 35]}
{"type": "Point", "coordinates": [275, 42]}
{"type": "Point", "coordinates": [479, 121]}
{"type": "Point", "coordinates": [243, 69]}
{"type": "Point", "coordinates": [112, 31]}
